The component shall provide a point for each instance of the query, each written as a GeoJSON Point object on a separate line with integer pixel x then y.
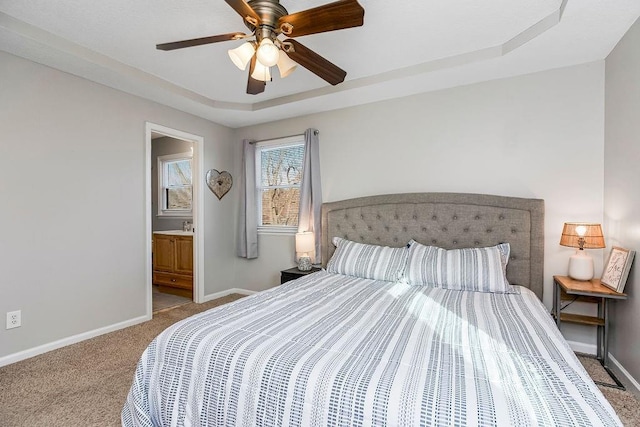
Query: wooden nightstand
{"type": "Point", "coordinates": [566, 288]}
{"type": "Point", "coordinates": [294, 273]}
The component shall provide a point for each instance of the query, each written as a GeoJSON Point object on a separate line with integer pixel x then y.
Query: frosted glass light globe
{"type": "Point", "coordinates": [242, 55]}
{"type": "Point", "coordinates": [285, 65]}
{"type": "Point", "coordinates": [268, 53]}
{"type": "Point", "coordinates": [260, 72]}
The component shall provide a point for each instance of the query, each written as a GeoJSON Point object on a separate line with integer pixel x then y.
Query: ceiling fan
{"type": "Point", "coordinates": [268, 19]}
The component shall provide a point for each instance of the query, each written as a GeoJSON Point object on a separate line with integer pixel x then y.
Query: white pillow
{"type": "Point", "coordinates": [367, 261]}
{"type": "Point", "coordinates": [469, 269]}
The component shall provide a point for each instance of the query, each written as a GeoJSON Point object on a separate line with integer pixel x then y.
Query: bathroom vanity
{"type": "Point", "coordinates": [173, 262]}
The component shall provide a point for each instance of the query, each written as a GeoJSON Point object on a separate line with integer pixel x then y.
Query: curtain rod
{"type": "Point", "coordinates": [315, 132]}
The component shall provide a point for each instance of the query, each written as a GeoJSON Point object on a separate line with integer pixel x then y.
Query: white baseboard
{"type": "Point", "coordinates": [580, 347]}
{"type": "Point", "coordinates": [617, 367]}
{"type": "Point", "coordinates": [629, 381]}
{"type": "Point", "coordinates": [31, 352]}
{"type": "Point", "coordinates": [228, 292]}
{"type": "Point", "coordinates": [26, 354]}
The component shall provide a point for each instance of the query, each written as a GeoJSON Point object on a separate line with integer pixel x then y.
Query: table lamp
{"type": "Point", "coordinates": [305, 243]}
{"type": "Point", "coordinates": [583, 236]}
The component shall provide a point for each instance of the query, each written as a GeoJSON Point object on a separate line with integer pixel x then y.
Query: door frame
{"type": "Point", "coordinates": [198, 209]}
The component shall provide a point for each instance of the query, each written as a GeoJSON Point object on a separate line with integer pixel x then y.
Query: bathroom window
{"type": "Point", "coordinates": [175, 190]}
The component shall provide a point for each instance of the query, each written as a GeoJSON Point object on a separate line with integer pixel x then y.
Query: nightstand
{"type": "Point", "coordinates": [294, 273]}
{"type": "Point", "coordinates": [566, 288]}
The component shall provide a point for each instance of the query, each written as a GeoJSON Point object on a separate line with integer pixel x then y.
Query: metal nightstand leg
{"type": "Point", "coordinates": [605, 334]}
{"type": "Point", "coordinates": [603, 345]}
{"type": "Point", "coordinates": [601, 337]}
{"type": "Point", "coordinates": [556, 302]}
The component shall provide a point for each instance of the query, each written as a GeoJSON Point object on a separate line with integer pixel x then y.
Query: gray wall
{"type": "Point", "coordinates": [528, 136]}
{"type": "Point", "coordinates": [621, 192]}
{"type": "Point", "coordinates": [72, 185]}
{"type": "Point", "coordinates": [162, 147]}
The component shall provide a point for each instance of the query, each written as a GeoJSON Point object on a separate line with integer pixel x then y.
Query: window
{"type": "Point", "coordinates": [174, 185]}
{"type": "Point", "coordinates": [279, 175]}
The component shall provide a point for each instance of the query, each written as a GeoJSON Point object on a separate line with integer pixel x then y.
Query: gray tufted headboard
{"type": "Point", "coordinates": [447, 220]}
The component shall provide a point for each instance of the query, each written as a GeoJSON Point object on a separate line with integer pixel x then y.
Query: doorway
{"type": "Point", "coordinates": [171, 228]}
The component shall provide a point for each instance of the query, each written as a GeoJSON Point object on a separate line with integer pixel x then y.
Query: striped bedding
{"type": "Point", "coordinates": [334, 350]}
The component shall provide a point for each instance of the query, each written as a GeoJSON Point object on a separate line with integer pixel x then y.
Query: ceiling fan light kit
{"type": "Point", "coordinates": [286, 65]}
{"type": "Point", "coordinates": [268, 19]}
{"type": "Point", "coordinates": [261, 72]}
{"type": "Point", "coordinates": [268, 53]}
{"type": "Point", "coordinates": [241, 55]}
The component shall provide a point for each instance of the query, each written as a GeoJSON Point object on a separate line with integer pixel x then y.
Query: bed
{"type": "Point", "coordinates": [377, 347]}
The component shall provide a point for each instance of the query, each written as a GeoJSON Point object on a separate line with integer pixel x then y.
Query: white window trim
{"type": "Point", "coordinates": [277, 229]}
{"type": "Point", "coordinates": [273, 143]}
{"type": "Point", "coordinates": [174, 213]}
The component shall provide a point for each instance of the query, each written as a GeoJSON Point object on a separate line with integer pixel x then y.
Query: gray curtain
{"type": "Point", "coordinates": [248, 218]}
{"type": "Point", "coordinates": [311, 191]}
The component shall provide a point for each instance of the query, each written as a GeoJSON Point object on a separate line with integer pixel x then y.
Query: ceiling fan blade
{"type": "Point", "coordinates": [254, 86]}
{"type": "Point", "coordinates": [200, 41]}
{"type": "Point", "coordinates": [315, 63]}
{"type": "Point", "coordinates": [244, 10]}
{"type": "Point", "coordinates": [333, 16]}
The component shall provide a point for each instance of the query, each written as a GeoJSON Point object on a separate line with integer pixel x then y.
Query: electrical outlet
{"type": "Point", "coordinates": [14, 319]}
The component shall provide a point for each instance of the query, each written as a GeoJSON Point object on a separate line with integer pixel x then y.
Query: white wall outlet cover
{"type": "Point", "coordinates": [14, 319]}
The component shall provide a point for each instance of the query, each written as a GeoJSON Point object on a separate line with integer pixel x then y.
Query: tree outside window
{"type": "Point", "coordinates": [280, 176]}
{"type": "Point", "coordinates": [176, 190]}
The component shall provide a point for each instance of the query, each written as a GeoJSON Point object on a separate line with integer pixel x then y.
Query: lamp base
{"type": "Point", "coordinates": [304, 263]}
{"type": "Point", "coordinates": [581, 266]}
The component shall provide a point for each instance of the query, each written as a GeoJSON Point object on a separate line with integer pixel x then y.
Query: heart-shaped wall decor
{"type": "Point", "coordinates": [219, 182]}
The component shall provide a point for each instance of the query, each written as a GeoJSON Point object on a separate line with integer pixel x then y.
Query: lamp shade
{"type": "Point", "coordinates": [242, 55]}
{"type": "Point", "coordinates": [268, 53]}
{"type": "Point", "coordinates": [260, 72]}
{"type": "Point", "coordinates": [286, 65]}
{"type": "Point", "coordinates": [582, 235]}
{"type": "Point", "coordinates": [305, 242]}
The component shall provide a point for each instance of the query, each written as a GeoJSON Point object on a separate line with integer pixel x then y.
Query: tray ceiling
{"type": "Point", "coordinates": [403, 48]}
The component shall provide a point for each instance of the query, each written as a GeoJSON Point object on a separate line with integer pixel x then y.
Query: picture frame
{"type": "Point", "coordinates": [616, 270]}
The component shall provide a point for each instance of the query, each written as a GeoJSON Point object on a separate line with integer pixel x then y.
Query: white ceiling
{"type": "Point", "coordinates": [405, 47]}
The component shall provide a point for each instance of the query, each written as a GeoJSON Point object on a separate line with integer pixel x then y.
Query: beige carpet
{"type": "Point", "coordinates": [627, 406]}
{"type": "Point", "coordinates": [85, 384]}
